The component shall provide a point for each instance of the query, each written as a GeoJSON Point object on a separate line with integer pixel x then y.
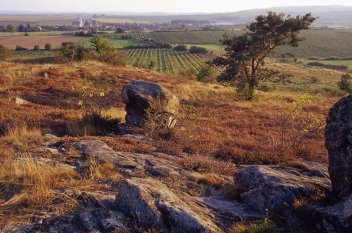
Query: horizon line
{"type": "Point", "coordinates": [132, 13]}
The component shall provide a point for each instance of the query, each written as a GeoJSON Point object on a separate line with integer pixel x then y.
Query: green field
{"type": "Point", "coordinates": [116, 43]}
{"type": "Point", "coordinates": [166, 60]}
{"type": "Point", "coordinates": [320, 43]}
{"type": "Point", "coordinates": [347, 63]}
{"type": "Point", "coordinates": [181, 37]}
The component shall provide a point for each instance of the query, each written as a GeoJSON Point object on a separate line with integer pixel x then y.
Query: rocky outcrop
{"type": "Point", "coordinates": [145, 100]}
{"type": "Point", "coordinates": [152, 203]}
{"type": "Point", "coordinates": [338, 136]}
{"type": "Point", "coordinates": [329, 218]}
{"type": "Point", "coordinates": [273, 189]}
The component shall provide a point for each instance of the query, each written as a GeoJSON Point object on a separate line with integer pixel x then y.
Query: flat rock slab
{"type": "Point", "coordinates": [152, 203]}
{"type": "Point", "coordinates": [229, 211]}
{"type": "Point", "coordinates": [274, 188]}
{"type": "Point", "coordinates": [133, 164]}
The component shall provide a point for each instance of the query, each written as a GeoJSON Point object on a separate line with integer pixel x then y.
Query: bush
{"type": "Point", "coordinates": [71, 51]}
{"type": "Point", "coordinates": [4, 53]}
{"type": "Point", "coordinates": [113, 57]}
{"type": "Point", "coordinates": [190, 72]}
{"type": "Point", "coordinates": [345, 84]}
{"type": "Point", "coordinates": [151, 65]}
{"type": "Point", "coordinates": [20, 48]}
{"type": "Point", "coordinates": [196, 49]}
{"type": "Point", "coordinates": [101, 45]}
{"type": "Point", "coordinates": [181, 48]}
{"type": "Point", "coordinates": [47, 46]}
{"type": "Point", "coordinates": [36, 47]}
{"type": "Point", "coordinates": [207, 72]}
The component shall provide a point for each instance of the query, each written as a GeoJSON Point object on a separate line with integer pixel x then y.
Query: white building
{"type": "Point", "coordinates": [77, 23]}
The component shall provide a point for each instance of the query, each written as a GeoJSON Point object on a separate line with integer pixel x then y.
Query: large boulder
{"type": "Point", "coordinates": [149, 100]}
{"type": "Point", "coordinates": [273, 189]}
{"type": "Point", "coordinates": [338, 136]}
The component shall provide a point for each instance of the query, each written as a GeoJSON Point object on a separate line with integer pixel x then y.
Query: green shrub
{"type": "Point", "coordinates": [207, 72]}
{"type": "Point", "coordinates": [196, 49]}
{"type": "Point", "coordinates": [20, 48]}
{"type": "Point", "coordinates": [180, 48]}
{"type": "Point", "coordinates": [36, 47]}
{"type": "Point", "coordinates": [47, 46]}
{"type": "Point", "coordinates": [345, 84]}
{"type": "Point", "coordinates": [72, 51]}
{"type": "Point", "coordinates": [151, 65]}
{"type": "Point", "coordinates": [101, 45]}
{"type": "Point", "coordinates": [112, 57]}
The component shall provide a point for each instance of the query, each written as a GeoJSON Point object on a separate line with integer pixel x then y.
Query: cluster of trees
{"type": "Point", "coordinates": [192, 49]}
{"type": "Point", "coordinates": [100, 50]}
{"type": "Point", "coordinates": [47, 46]}
{"type": "Point", "coordinates": [21, 28]}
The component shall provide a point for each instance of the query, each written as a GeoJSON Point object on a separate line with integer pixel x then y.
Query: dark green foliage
{"type": "Point", "coordinates": [113, 57]}
{"type": "Point", "coordinates": [119, 30]}
{"type": "Point", "coordinates": [20, 48]}
{"type": "Point", "coordinates": [207, 72]}
{"type": "Point", "coordinates": [345, 84]}
{"type": "Point", "coordinates": [181, 48]}
{"type": "Point", "coordinates": [151, 65]}
{"type": "Point", "coordinates": [101, 45]}
{"type": "Point", "coordinates": [10, 28]}
{"type": "Point", "coordinates": [245, 54]}
{"type": "Point", "coordinates": [47, 46]}
{"type": "Point", "coordinates": [196, 49]}
{"type": "Point", "coordinates": [4, 53]}
{"type": "Point", "coordinates": [328, 66]}
{"type": "Point", "coordinates": [21, 28]}
{"type": "Point", "coordinates": [106, 52]}
{"type": "Point", "coordinates": [72, 51]}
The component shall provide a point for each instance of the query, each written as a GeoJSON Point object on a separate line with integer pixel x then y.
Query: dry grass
{"type": "Point", "coordinates": [105, 172]}
{"type": "Point", "coordinates": [22, 136]}
{"type": "Point", "coordinates": [208, 179]}
{"type": "Point", "coordinates": [260, 227]}
{"type": "Point", "coordinates": [213, 123]}
{"type": "Point", "coordinates": [27, 182]}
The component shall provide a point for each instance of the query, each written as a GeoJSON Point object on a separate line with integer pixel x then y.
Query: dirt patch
{"type": "Point", "coordinates": [29, 41]}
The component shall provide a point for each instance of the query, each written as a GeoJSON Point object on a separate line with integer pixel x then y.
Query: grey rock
{"type": "Point", "coordinates": [273, 189]}
{"type": "Point", "coordinates": [152, 203]}
{"type": "Point", "coordinates": [329, 218]}
{"type": "Point", "coordinates": [139, 96]}
{"type": "Point", "coordinates": [127, 163]}
{"type": "Point", "coordinates": [338, 137]}
{"type": "Point", "coordinates": [230, 211]}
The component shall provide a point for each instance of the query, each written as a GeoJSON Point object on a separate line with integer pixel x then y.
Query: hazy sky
{"type": "Point", "coordinates": [171, 6]}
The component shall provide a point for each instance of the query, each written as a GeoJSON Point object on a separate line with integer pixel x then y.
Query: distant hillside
{"type": "Point", "coordinates": [332, 16]}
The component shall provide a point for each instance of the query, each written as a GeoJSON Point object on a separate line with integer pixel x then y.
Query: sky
{"type": "Point", "coordinates": [167, 6]}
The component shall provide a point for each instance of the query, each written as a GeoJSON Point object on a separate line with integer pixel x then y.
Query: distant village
{"type": "Point", "coordinates": [86, 27]}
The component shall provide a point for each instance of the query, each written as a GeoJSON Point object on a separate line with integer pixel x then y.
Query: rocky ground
{"type": "Point", "coordinates": [127, 180]}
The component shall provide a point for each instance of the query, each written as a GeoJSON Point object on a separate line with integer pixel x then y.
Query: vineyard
{"type": "Point", "coordinates": [182, 37]}
{"type": "Point", "coordinates": [164, 60]}
{"type": "Point", "coordinates": [319, 43]}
